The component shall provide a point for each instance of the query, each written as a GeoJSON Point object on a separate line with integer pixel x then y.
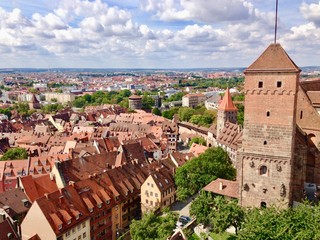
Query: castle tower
{"type": "Point", "coordinates": [34, 103]}
{"type": "Point", "coordinates": [135, 102]}
{"type": "Point", "coordinates": [227, 112]}
{"type": "Point", "coordinates": [265, 161]}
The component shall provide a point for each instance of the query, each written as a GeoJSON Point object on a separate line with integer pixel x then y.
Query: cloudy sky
{"type": "Point", "coordinates": [154, 33]}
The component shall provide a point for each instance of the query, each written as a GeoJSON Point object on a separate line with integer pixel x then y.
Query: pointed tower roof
{"type": "Point", "coordinates": [226, 103]}
{"type": "Point", "coordinates": [34, 99]}
{"type": "Point", "coordinates": [273, 59]}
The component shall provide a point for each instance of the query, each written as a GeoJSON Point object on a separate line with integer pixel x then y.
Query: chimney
{"type": "Point", "coordinates": [220, 186]}
{"type": "Point", "coordinates": [61, 199]}
{"type": "Point", "coordinates": [46, 195]}
{"type": "Point", "coordinates": [71, 183]}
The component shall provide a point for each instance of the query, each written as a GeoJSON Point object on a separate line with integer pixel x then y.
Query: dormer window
{"type": "Point", "coordinates": [77, 216]}
{"type": "Point", "coordinates": [99, 205]}
{"type": "Point", "coordinates": [60, 227]}
{"type": "Point", "coordinates": [108, 202]}
{"type": "Point", "coordinates": [69, 221]}
{"type": "Point", "coordinates": [90, 209]}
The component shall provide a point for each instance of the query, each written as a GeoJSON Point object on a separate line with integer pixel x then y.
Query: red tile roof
{"type": "Point", "coordinates": [223, 187]}
{"type": "Point", "coordinates": [274, 58]}
{"type": "Point", "coordinates": [226, 103]}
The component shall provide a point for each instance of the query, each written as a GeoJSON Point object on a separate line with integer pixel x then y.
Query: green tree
{"type": "Point", "coordinates": [170, 113]}
{"type": "Point", "coordinates": [51, 108]}
{"type": "Point", "coordinates": [147, 102]}
{"type": "Point", "coordinates": [185, 113]}
{"type": "Point", "coordinates": [198, 140]}
{"type": "Point", "coordinates": [15, 154]}
{"type": "Point", "coordinates": [156, 111]}
{"type": "Point", "coordinates": [225, 214]}
{"type": "Point", "coordinates": [22, 109]}
{"type": "Point", "coordinates": [153, 227]}
{"type": "Point", "coordinates": [201, 207]}
{"type": "Point", "coordinates": [175, 97]}
{"type": "Point", "coordinates": [79, 102]}
{"type": "Point", "coordinates": [240, 115]}
{"type": "Point", "coordinates": [198, 172]}
{"type": "Point", "coordinates": [301, 222]}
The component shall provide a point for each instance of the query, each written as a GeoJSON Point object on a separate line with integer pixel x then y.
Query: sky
{"type": "Point", "coordinates": [154, 33]}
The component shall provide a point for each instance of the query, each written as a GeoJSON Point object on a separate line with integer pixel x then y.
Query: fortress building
{"type": "Point", "coordinates": [279, 161]}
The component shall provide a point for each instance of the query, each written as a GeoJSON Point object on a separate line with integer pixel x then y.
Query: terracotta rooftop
{"type": "Point", "coordinates": [135, 97]}
{"type": "Point", "coordinates": [274, 59]}
{"type": "Point", "coordinates": [226, 104]}
{"type": "Point", "coordinates": [7, 231]}
{"type": "Point", "coordinates": [223, 187]}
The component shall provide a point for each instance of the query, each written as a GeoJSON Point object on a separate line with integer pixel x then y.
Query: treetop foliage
{"type": "Point", "coordinates": [153, 227]}
{"type": "Point", "coordinates": [15, 154]}
{"type": "Point", "coordinates": [200, 171]}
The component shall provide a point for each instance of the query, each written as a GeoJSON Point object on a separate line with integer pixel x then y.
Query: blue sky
{"type": "Point", "coordinates": [154, 33]}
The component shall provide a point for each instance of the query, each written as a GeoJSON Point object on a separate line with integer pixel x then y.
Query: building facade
{"type": "Point", "coordinates": [266, 159]}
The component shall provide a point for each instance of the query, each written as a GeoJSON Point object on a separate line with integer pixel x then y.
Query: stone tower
{"type": "Point", "coordinates": [265, 161]}
{"type": "Point", "coordinates": [34, 103]}
{"type": "Point", "coordinates": [135, 102]}
{"type": "Point", "coordinates": [227, 112]}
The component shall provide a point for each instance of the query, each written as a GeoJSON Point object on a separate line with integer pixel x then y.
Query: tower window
{"type": "Point", "coordinates": [263, 170]}
{"type": "Point", "coordinates": [279, 84]}
{"type": "Point", "coordinates": [260, 84]}
{"type": "Point", "coordinates": [268, 114]}
{"type": "Point", "coordinates": [265, 143]}
{"type": "Point", "coordinates": [301, 114]}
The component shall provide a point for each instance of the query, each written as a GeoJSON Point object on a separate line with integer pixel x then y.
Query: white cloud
{"type": "Point", "coordinates": [198, 10]}
{"type": "Point", "coordinates": [94, 34]}
{"type": "Point", "coordinates": [311, 12]}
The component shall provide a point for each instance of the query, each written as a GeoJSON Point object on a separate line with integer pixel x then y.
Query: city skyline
{"type": "Point", "coordinates": [154, 34]}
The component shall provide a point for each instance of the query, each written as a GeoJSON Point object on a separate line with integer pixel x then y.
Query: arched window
{"type": "Point", "coordinates": [263, 170]}
{"type": "Point", "coordinates": [263, 205]}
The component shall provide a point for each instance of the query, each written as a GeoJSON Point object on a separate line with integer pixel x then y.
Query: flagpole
{"type": "Point", "coordinates": [276, 24]}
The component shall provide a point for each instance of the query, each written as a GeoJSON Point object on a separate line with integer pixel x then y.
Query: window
{"type": "Point", "coordinates": [279, 84]}
{"type": "Point", "coordinates": [263, 170]}
{"type": "Point", "coordinates": [68, 234]}
{"type": "Point", "coordinates": [263, 204]}
{"type": "Point", "coordinates": [151, 203]}
{"type": "Point", "coordinates": [260, 84]}
{"type": "Point", "coordinates": [151, 193]}
{"type": "Point", "coordinates": [79, 237]}
{"type": "Point", "coordinates": [265, 143]}
{"type": "Point", "coordinates": [151, 185]}
{"type": "Point", "coordinates": [147, 201]}
{"type": "Point", "coordinates": [59, 227]}
{"type": "Point", "coordinates": [84, 235]}
{"type": "Point", "coordinates": [156, 194]}
{"type": "Point", "coordinates": [301, 114]}
{"type": "Point", "coordinates": [83, 225]}
{"type": "Point", "coordinates": [268, 114]}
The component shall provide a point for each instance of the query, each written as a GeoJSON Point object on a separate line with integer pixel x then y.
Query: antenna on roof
{"type": "Point", "coordinates": [276, 24]}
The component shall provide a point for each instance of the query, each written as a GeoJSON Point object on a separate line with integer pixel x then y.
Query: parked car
{"type": "Point", "coordinates": [182, 221]}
